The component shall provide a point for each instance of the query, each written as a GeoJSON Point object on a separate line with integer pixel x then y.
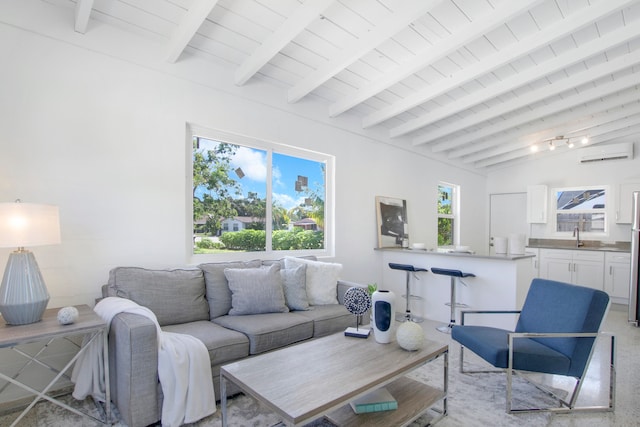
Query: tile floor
{"type": "Point", "coordinates": [627, 412]}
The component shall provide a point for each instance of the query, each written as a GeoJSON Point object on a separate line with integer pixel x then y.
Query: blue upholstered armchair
{"type": "Point", "coordinates": [555, 334]}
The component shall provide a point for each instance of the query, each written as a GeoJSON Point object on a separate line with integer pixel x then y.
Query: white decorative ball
{"type": "Point", "coordinates": [67, 315]}
{"type": "Point", "coordinates": [410, 336]}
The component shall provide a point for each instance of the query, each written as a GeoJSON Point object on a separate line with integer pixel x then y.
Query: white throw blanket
{"type": "Point", "coordinates": [184, 368]}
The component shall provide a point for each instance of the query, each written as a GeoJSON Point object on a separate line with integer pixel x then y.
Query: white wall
{"type": "Point", "coordinates": [96, 124]}
{"type": "Point", "coordinates": [563, 170]}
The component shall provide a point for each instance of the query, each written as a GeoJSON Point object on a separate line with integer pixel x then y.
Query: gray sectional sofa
{"type": "Point", "coordinates": [234, 308]}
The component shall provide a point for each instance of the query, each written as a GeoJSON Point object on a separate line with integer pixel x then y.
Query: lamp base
{"type": "Point", "coordinates": [23, 294]}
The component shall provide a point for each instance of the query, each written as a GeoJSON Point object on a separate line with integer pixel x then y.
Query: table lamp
{"type": "Point", "coordinates": [23, 294]}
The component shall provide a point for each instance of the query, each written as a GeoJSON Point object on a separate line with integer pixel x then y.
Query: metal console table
{"type": "Point", "coordinates": [48, 330]}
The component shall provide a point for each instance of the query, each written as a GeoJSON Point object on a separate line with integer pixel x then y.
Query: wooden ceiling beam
{"type": "Point", "coordinates": [554, 125]}
{"type": "Point", "coordinates": [488, 22]}
{"type": "Point", "coordinates": [558, 119]}
{"type": "Point", "coordinates": [191, 22]}
{"type": "Point", "coordinates": [411, 10]}
{"type": "Point", "coordinates": [550, 34]}
{"type": "Point", "coordinates": [632, 129]}
{"type": "Point", "coordinates": [609, 122]}
{"type": "Point", "coordinates": [82, 15]}
{"type": "Point", "coordinates": [301, 18]}
{"type": "Point", "coordinates": [623, 83]}
{"type": "Point", "coordinates": [566, 104]}
{"type": "Point", "coordinates": [530, 98]}
{"type": "Point", "coordinates": [594, 47]}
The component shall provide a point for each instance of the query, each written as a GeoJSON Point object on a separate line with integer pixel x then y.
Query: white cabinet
{"type": "Point", "coordinates": [580, 267]}
{"type": "Point", "coordinates": [623, 207]}
{"type": "Point", "coordinates": [537, 204]}
{"type": "Point", "coordinates": [617, 270]}
{"type": "Point", "coordinates": [556, 264]}
{"type": "Point", "coordinates": [535, 261]}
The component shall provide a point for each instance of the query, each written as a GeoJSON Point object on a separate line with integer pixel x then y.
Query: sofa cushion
{"type": "Point", "coordinates": [294, 285]}
{"type": "Point", "coordinates": [256, 290]}
{"type": "Point", "coordinates": [269, 331]}
{"type": "Point", "coordinates": [218, 292]}
{"type": "Point", "coordinates": [224, 345]}
{"type": "Point", "coordinates": [321, 279]}
{"type": "Point", "coordinates": [329, 319]}
{"type": "Point", "coordinates": [174, 296]}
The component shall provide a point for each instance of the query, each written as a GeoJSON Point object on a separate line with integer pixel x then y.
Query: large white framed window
{"type": "Point", "coordinates": [581, 208]}
{"type": "Point", "coordinates": [448, 214]}
{"type": "Point", "coordinates": [248, 196]}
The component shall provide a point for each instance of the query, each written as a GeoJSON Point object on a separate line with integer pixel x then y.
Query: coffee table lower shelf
{"type": "Point", "coordinates": [414, 399]}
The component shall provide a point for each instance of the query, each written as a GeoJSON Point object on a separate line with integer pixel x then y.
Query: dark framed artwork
{"type": "Point", "coordinates": [392, 221]}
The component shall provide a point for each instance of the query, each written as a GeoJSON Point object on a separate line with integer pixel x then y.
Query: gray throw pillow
{"type": "Point", "coordinates": [256, 290]}
{"type": "Point", "coordinates": [174, 296]}
{"type": "Point", "coordinates": [294, 284]}
{"type": "Point", "coordinates": [218, 292]}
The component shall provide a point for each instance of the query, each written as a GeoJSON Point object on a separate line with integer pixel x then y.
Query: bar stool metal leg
{"type": "Point", "coordinates": [454, 275]}
{"type": "Point", "coordinates": [452, 318]}
{"type": "Point", "coordinates": [407, 315]}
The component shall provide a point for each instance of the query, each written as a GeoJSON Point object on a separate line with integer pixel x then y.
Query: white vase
{"type": "Point", "coordinates": [383, 305]}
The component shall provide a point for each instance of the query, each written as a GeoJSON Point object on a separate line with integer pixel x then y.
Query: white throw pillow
{"type": "Point", "coordinates": [321, 279]}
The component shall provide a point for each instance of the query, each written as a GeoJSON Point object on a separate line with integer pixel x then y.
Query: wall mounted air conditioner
{"type": "Point", "coordinates": [599, 153]}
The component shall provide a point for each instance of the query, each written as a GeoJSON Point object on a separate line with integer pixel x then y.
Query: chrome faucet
{"type": "Point", "coordinates": [576, 234]}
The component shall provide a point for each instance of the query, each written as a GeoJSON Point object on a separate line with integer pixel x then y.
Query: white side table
{"type": "Point", "coordinates": [49, 330]}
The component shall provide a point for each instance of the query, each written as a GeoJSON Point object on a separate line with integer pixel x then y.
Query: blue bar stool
{"type": "Point", "coordinates": [409, 269]}
{"type": "Point", "coordinates": [454, 275]}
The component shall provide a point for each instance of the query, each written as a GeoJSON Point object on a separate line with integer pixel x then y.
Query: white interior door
{"type": "Point", "coordinates": [507, 214]}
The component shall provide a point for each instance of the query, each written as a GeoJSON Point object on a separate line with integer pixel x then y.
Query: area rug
{"type": "Point", "coordinates": [474, 400]}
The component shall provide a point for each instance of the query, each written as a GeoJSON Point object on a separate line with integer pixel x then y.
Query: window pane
{"type": "Point", "coordinates": [581, 199]}
{"type": "Point", "coordinates": [445, 231]}
{"type": "Point", "coordinates": [444, 200]}
{"type": "Point", "coordinates": [229, 204]}
{"type": "Point", "coordinates": [581, 207]}
{"type": "Point", "coordinates": [587, 222]}
{"type": "Point", "coordinates": [298, 203]}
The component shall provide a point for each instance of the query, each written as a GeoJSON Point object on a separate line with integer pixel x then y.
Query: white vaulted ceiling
{"type": "Point", "coordinates": [476, 82]}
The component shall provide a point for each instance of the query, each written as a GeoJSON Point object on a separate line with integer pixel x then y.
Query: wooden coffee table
{"type": "Point", "coordinates": [320, 377]}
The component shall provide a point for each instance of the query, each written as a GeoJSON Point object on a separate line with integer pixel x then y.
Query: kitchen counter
{"type": "Point", "coordinates": [588, 245]}
{"type": "Point", "coordinates": [501, 282]}
{"type": "Point", "coordinates": [451, 253]}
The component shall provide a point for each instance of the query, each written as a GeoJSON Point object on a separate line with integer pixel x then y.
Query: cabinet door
{"type": "Point", "coordinates": [537, 204]}
{"type": "Point", "coordinates": [535, 261]}
{"type": "Point", "coordinates": [616, 276]}
{"type": "Point", "coordinates": [588, 273]}
{"type": "Point", "coordinates": [556, 269]}
{"type": "Point", "coordinates": [623, 212]}
{"type": "Point", "coordinates": [588, 269]}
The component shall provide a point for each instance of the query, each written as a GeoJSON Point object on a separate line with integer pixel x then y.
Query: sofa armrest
{"type": "Point", "coordinates": [133, 368]}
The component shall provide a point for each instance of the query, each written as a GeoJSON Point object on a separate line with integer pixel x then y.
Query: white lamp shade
{"type": "Point", "coordinates": [28, 224]}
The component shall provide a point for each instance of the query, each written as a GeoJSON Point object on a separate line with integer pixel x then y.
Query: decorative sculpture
{"type": "Point", "coordinates": [357, 301]}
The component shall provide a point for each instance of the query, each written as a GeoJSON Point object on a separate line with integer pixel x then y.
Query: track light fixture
{"type": "Point", "coordinates": [554, 142]}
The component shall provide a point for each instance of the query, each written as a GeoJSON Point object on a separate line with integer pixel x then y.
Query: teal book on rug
{"type": "Point", "coordinates": [376, 401]}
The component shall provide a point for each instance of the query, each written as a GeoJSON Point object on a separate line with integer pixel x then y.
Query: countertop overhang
{"type": "Point", "coordinates": [506, 257]}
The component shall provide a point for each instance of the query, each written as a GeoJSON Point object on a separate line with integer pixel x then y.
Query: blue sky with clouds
{"type": "Point", "coordinates": [286, 170]}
